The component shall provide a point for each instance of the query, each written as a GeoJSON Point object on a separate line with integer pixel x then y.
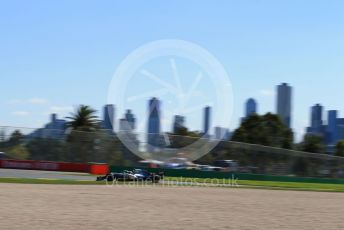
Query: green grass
{"type": "Point", "coordinates": [319, 187]}
{"type": "Point", "coordinates": [297, 186]}
{"type": "Point", "coordinates": [48, 181]}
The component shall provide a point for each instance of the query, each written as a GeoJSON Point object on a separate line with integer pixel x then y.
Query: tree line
{"type": "Point", "coordinates": [268, 130]}
{"type": "Point", "coordinates": [85, 141]}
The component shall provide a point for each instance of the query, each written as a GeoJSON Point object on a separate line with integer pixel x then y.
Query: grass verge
{"type": "Point", "coordinates": [318, 187]}
{"type": "Point", "coordinates": [176, 181]}
{"type": "Point", "coordinates": [48, 181]}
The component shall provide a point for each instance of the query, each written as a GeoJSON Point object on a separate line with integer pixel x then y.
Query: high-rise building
{"type": "Point", "coordinates": [206, 122]}
{"type": "Point", "coordinates": [316, 118]}
{"type": "Point", "coordinates": [222, 133]}
{"type": "Point", "coordinates": [129, 116]}
{"type": "Point", "coordinates": [340, 129]}
{"type": "Point", "coordinates": [179, 123]}
{"type": "Point", "coordinates": [251, 107]}
{"type": "Point", "coordinates": [331, 131]}
{"type": "Point", "coordinates": [109, 117]}
{"type": "Point", "coordinates": [284, 103]}
{"type": "Point", "coordinates": [128, 122]}
{"type": "Point", "coordinates": [154, 124]}
{"type": "Point", "coordinates": [55, 129]}
{"type": "Point", "coordinates": [316, 124]}
{"type": "Point", "coordinates": [332, 127]}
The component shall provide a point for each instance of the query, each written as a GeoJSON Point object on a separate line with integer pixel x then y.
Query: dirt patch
{"type": "Point", "coordinates": [69, 207]}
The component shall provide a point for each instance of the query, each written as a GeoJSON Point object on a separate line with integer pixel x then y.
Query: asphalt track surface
{"type": "Point", "coordinates": [53, 175]}
{"type": "Point", "coordinates": [32, 174]}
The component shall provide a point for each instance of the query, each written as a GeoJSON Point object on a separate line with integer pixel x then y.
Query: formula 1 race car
{"type": "Point", "coordinates": [135, 175]}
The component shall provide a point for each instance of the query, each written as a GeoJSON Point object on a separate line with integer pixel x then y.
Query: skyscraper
{"type": "Point", "coordinates": [179, 122]}
{"type": "Point", "coordinates": [109, 117]}
{"type": "Point", "coordinates": [251, 107]}
{"type": "Point", "coordinates": [222, 134]}
{"type": "Point", "coordinates": [340, 129]}
{"type": "Point", "coordinates": [206, 124]}
{"type": "Point", "coordinates": [332, 132]}
{"type": "Point", "coordinates": [284, 104]}
{"type": "Point", "coordinates": [317, 126]}
{"type": "Point", "coordinates": [154, 117]}
{"type": "Point", "coordinates": [316, 119]}
{"type": "Point", "coordinates": [130, 119]}
{"type": "Point", "coordinates": [128, 122]}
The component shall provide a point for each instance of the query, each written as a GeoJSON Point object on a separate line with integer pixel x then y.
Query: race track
{"type": "Point", "coordinates": [97, 207]}
{"type": "Point", "coordinates": [32, 174]}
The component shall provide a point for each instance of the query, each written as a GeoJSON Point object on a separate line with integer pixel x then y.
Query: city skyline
{"type": "Point", "coordinates": [283, 99]}
{"type": "Point", "coordinates": [317, 126]}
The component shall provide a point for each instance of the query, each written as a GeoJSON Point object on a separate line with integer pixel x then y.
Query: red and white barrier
{"type": "Point", "coordinates": [92, 168]}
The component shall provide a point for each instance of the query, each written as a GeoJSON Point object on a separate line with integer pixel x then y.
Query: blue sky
{"type": "Point", "coordinates": [57, 54]}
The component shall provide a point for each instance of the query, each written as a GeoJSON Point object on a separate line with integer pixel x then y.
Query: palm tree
{"type": "Point", "coordinates": [84, 119]}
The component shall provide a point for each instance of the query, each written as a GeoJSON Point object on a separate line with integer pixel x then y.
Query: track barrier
{"type": "Point", "coordinates": [227, 175]}
{"type": "Point", "coordinates": [92, 168]}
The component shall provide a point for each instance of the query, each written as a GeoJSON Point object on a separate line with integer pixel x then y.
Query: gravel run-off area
{"type": "Point", "coordinates": [97, 207]}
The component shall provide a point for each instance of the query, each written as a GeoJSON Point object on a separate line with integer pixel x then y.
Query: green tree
{"type": "Point", "coordinates": [340, 148]}
{"type": "Point", "coordinates": [84, 119]}
{"type": "Point", "coordinates": [267, 130]}
{"type": "Point", "coordinates": [2, 140]}
{"type": "Point", "coordinates": [2, 135]}
{"type": "Point", "coordinates": [80, 146]}
{"type": "Point", "coordinates": [183, 137]}
{"type": "Point", "coordinates": [47, 149]}
{"type": "Point", "coordinates": [108, 149]}
{"type": "Point", "coordinates": [18, 152]}
{"type": "Point", "coordinates": [16, 138]}
{"type": "Point", "coordinates": [82, 138]}
{"type": "Point", "coordinates": [313, 144]}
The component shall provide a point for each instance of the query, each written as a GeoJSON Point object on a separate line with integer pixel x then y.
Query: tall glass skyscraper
{"type": "Point", "coordinates": [316, 118]}
{"type": "Point", "coordinates": [179, 122]}
{"type": "Point", "coordinates": [317, 124]}
{"type": "Point", "coordinates": [332, 131]}
{"type": "Point", "coordinates": [154, 124]}
{"type": "Point", "coordinates": [284, 104]}
{"type": "Point", "coordinates": [251, 107]}
{"type": "Point", "coordinates": [206, 124]}
{"type": "Point", "coordinates": [109, 117]}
